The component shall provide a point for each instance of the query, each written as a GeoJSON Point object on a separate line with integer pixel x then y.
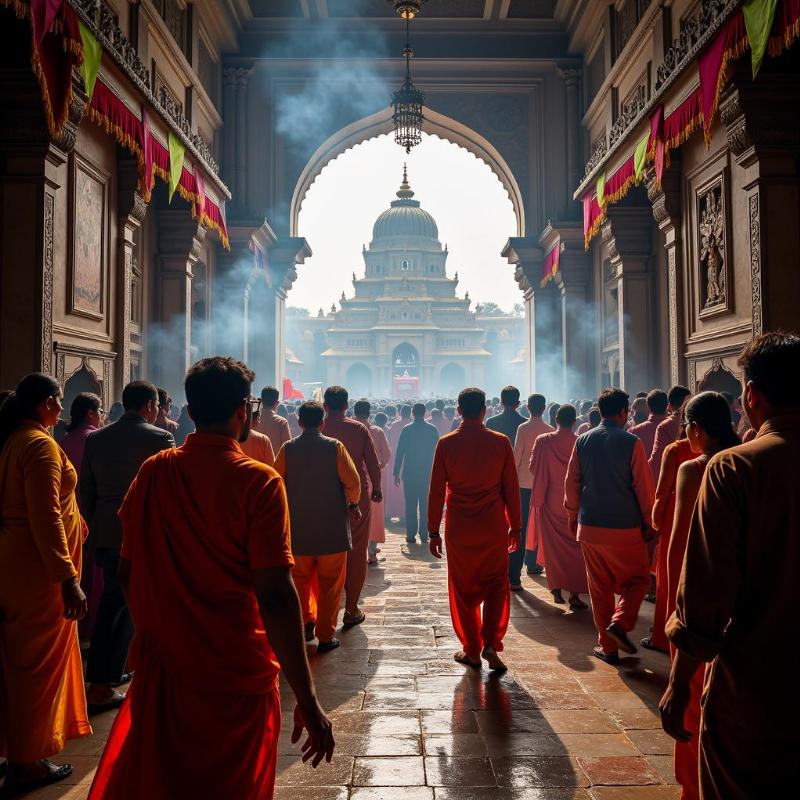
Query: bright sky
{"type": "Point", "coordinates": [468, 202]}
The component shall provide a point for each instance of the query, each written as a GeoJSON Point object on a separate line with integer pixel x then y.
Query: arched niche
{"type": "Point", "coordinates": [405, 360]}
{"type": "Point", "coordinates": [720, 379]}
{"type": "Point", "coordinates": [380, 123]}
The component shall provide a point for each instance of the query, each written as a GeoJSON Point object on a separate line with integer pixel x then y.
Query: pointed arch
{"type": "Point", "coordinates": [380, 123]}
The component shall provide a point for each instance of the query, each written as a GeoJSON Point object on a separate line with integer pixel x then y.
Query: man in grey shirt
{"type": "Point", "coordinates": [111, 460]}
{"type": "Point", "coordinates": [412, 462]}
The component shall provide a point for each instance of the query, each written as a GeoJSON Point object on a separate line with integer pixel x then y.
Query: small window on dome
{"type": "Point", "coordinates": [404, 265]}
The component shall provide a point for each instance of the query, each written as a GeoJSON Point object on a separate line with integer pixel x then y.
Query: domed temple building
{"type": "Point", "coordinates": [405, 332]}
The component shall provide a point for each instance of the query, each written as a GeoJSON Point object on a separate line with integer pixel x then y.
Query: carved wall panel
{"type": "Point", "coordinates": [88, 240]}
{"type": "Point", "coordinates": [712, 251]}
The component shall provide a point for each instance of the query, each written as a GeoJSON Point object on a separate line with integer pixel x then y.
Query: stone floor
{"type": "Point", "coordinates": [411, 724]}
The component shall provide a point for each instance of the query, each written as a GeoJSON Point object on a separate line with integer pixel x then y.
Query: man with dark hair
{"type": "Point", "coordinates": [318, 467]}
{"type": "Point", "coordinates": [355, 437]}
{"type": "Point", "coordinates": [257, 445]}
{"type": "Point", "coordinates": [736, 592]}
{"type": "Point", "coordinates": [111, 458]}
{"type": "Point", "coordinates": [272, 424]}
{"type": "Point", "coordinates": [206, 566]}
{"type": "Point", "coordinates": [609, 500]}
{"type": "Point", "coordinates": [566, 568]}
{"type": "Point", "coordinates": [413, 461]}
{"type": "Point", "coordinates": [639, 412]}
{"type": "Point", "coordinates": [473, 468]}
{"type": "Point", "coordinates": [163, 420]}
{"type": "Point", "coordinates": [527, 433]}
{"type": "Point", "coordinates": [668, 430]}
{"type": "Point", "coordinates": [646, 431]}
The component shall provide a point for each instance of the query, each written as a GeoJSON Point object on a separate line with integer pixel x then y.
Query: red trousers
{"type": "Point", "coordinates": [659, 638]}
{"type": "Point", "coordinates": [478, 627]}
{"type": "Point", "coordinates": [687, 754]}
{"type": "Point", "coordinates": [616, 564]}
{"type": "Point", "coordinates": [357, 557]}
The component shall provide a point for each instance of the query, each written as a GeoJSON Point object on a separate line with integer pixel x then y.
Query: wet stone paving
{"type": "Point", "coordinates": [412, 724]}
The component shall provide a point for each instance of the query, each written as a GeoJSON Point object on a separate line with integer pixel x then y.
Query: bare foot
{"type": "Point", "coordinates": [494, 661]}
{"type": "Point", "coordinates": [463, 658]}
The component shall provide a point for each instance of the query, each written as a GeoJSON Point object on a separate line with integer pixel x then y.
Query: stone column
{"type": "Point", "coordinates": [761, 127]}
{"type": "Point", "coordinates": [33, 186]}
{"type": "Point", "coordinates": [132, 210]}
{"type": "Point", "coordinates": [543, 315]}
{"type": "Point", "coordinates": [571, 79]}
{"type": "Point", "coordinates": [229, 80]}
{"type": "Point", "coordinates": [242, 79]}
{"type": "Point", "coordinates": [666, 201]}
{"type": "Point", "coordinates": [170, 336]}
{"type": "Point", "coordinates": [627, 235]}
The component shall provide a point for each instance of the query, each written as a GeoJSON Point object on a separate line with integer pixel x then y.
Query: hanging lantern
{"type": "Point", "coordinates": [408, 101]}
{"type": "Point", "coordinates": [408, 9]}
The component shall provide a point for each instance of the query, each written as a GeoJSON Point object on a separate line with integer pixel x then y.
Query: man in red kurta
{"type": "Point", "coordinates": [646, 431]}
{"type": "Point", "coordinates": [206, 567]}
{"type": "Point", "coordinates": [475, 477]}
{"type": "Point", "coordinates": [609, 500]}
{"type": "Point", "coordinates": [356, 438]}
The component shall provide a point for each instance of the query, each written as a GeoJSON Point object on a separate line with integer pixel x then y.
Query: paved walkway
{"type": "Point", "coordinates": [411, 724]}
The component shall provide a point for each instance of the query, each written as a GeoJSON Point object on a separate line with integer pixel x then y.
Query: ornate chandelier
{"type": "Point", "coordinates": [408, 100]}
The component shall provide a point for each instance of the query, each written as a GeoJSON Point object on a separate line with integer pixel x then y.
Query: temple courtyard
{"type": "Point", "coordinates": [411, 724]}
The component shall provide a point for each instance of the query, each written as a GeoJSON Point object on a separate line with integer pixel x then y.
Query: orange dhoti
{"type": "Point", "coordinates": [616, 563]}
{"type": "Point", "coordinates": [319, 581]}
{"type": "Point", "coordinates": [173, 739]}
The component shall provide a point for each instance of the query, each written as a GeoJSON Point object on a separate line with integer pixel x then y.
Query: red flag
{"type": "Point", "coordinates": [201, 191]}
{"type": "Point", "coordinates": [289, 392]}
{"type": "Point", "coordinates": [148, 179]}
{"type": "Point", "coordinates": [43, 14]}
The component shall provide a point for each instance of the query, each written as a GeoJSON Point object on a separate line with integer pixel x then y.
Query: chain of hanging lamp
{"type": "Point", "coordinates": [408, 101]}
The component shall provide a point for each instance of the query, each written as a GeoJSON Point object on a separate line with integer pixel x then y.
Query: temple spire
{"type": "Point", "coordinates": [405, 192]}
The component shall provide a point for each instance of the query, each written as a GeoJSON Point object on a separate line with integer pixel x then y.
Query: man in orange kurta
{"type": "Point", "coordinates": [206, 566]}
{"type": "Point", "coordinates": [475, 477]}
{"type": "Point", "coordinates": [668, 430]}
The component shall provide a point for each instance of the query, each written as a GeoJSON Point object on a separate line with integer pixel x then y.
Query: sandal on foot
{"type": "Point", "coordinates": [617, 633]}
{"type": "Point", "coordinates": [516, 587]}
{"type": "Point", "coordinates": [575, 602]}
{"type": "Point", "coordinates": [609, 658]}
{"type": "Point", "coordinates": [114, 703]}
{"type": "Point", "coordinates": [324, 647]}
{"type": "Point", "coordinates": [558, 598]}
{"type": "Point", "coordinates": [647, 643]}
{"type": "Point", "coordinates": [494, 661]}
{"type": "Point", "coordinates": [349, 622]}
{"type": "Point", "coordinates": [463, 658]}
{"type": "Point", "coordinates": [54, 774]}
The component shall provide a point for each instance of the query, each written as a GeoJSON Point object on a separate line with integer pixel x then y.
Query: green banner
{"type": "Point", "coordinates": [640, 156]}
{"type": "Point", "coordinates": [176, 151]}
{"type": "Point", "coordinates": [758, 18]}
{"type": "Point", "coordinates": [601, 189]}
{"type": "Point", "coordinates": [92, 54]}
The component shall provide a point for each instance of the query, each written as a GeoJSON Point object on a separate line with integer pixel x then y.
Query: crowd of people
{"type": "Point", "coordinates": [208, 567]}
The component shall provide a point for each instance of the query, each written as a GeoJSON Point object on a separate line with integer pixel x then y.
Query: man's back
{"type": "Point", "coordinates": [197, 522]}
{"type": "Point", "coordinates": [258, 446]}
{"type": "Point", "coordinates": [356, 439]}
{"type": "Point", "coordinates": [608, 498]}
{"type": "Point", "coordinates": [415, 449]}
{"type": "Point", "coordinates": [506, 423]}
{"type": "Point", "coordinates": [646, 431]}
{"type": "Point", "coordinates": [112, 457]}
{"type": "Point", "coordinates": [276, 428]}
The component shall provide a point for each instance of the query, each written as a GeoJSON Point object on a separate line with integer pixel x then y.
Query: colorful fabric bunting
{"type": "Point", "coordinates": [551, 263]}
{"type": "Point", "coordinates": [600, 188]}
{"type": "Point", "coordinates": [640, 157]}
{"type": "Point", "coordinates": [759, 16]}
{"type": "Point", "coordinates": [92, 55]}
{"type": "Point", "coordinates": [177, 149]}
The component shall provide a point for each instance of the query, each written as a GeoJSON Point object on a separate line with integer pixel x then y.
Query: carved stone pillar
{"type": "Point", "coordinates": [242, 79]}
{"type": "Point", "coordinates": [170, 337]}
{"type": "Point", "coordinates": [666, 201]}
{"type": "Point", "coordinates": [229, 81]}
{"type": "Point", "coordinates": [577, 313]}
{"type": "Point", "coordinates": [543, 315]}
{"type": "Point", "coordinates": [132, 209]}
{"type": "Point", "coordinates": [33, 192]}
{"type": "Point", "coordinates": [761, 127]}
{"type": "Point", "coordinates": [627, 235]}
{"type": "Point", "coordinates": [282, 259]}
{"type": "Point", "coordinates": [571, 79]}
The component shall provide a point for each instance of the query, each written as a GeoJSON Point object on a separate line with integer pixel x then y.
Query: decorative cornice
{"type": "Point", "coordinates": [103, 25]}
{"type": "Point", "coordinates": [712, 15]}
{"type": "Point", "coordinates": [628, 113]}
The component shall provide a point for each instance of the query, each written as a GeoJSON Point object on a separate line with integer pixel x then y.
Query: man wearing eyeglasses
{"type": "Point", "coordinates": [206, 566]}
